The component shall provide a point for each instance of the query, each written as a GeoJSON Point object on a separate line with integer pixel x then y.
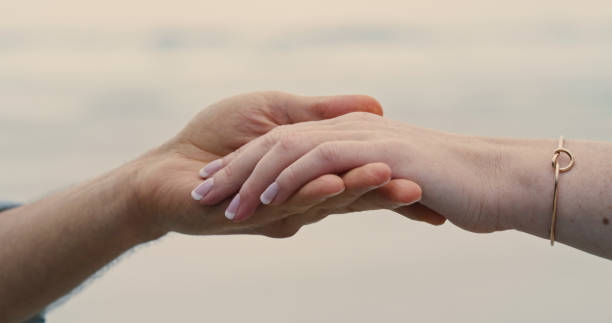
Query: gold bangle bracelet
{"type": "Point", "coordinates": [558, 169]}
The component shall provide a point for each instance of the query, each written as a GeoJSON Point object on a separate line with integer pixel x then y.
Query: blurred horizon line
{"type": "Point", "coordinates": [213, 36]}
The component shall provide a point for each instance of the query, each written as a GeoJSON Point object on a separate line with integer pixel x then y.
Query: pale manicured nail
{"type": "Point", "coordinates": [211, 168]}
{"type": "Point", "coordinates": [269, 194]}
{"type": "Point", "coordinates": [230, 213]}
{"type": "Point", "coordinates": [199, 192]}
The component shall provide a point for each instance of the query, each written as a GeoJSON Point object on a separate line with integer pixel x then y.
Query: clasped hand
{"type": "Point", "coordinates": [244, 142]}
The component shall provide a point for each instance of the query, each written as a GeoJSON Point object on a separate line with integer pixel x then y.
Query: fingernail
{"type": "Point", "coordinates": [381, 185]}
{"type": "Point", "coordinates": [230, 213]}
{"type": "Point", "coordinates": [269, 194]}
{"type": "Point", "coordinates": [199, 192]}
{"type": "Point", "coordinates": [334, 194]}
{"type": "Point", "coordinates": [211, 168]}
{"type": "Point", "coordinates": [410, 203]}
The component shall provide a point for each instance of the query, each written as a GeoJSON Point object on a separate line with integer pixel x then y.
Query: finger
{"type": "Point", "coordinates": [259, 143]}
{"type": "Point", "coordinates": [287, 226]}
{"type": "Point", "coordinates": [306, 129]}
{"type": "Point", "coordinates": [286, 151]}
{"type": "Point", "coordinates": [311, 194]}
{"type": "Point", "coordinates": [327, 158]}
{"type": "Point", "coordinates": [211, 168]}
{"type": "Point", "coordinates": [420, 212]}
{"type": "Point", "coordinates": [315, 192]}
{"type": "Point", "coordinates": [239, 165]}
{"type": "Point", "coordinates": [216, 165]}
{"type": "Point", "coordinates": [284, 224]}
{"type": "Point", "coordinates": [232, 173]}
{"type": "Point", "coordinates": [395, 194]}
{"type": "Point", "coordinates": [358, 182]}
{"type": "Point", "coordinates": [311, 108]}
{"type": "Point", "coordinates": [401, 196]}
{"type": "Point", "coordinates": [283, 154]}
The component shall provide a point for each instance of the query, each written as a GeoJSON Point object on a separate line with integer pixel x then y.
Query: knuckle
{"type": "Point", "coordinates": [228, 171]}
{"type": "Point", "coordinates": [270, 140]}
{"type": "Point", "coordinates": [328, 152]}
{"type": "Point", "coordinates": [289, 142]}
{"type": "Point", "coordinates": [274, 98]}
{"type": "Point", "coordinates": [238, 151]}
{"type": "Point", "coordinates": [275, 135]}
{"type": "Point", "coordinates": [289, 175]}
{"type": "Point", "coordinates": [359, 120]}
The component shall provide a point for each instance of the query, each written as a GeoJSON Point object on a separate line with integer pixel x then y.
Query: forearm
{"type": "Point", "coordinates": [49, 247]}
{"type": "Point", "coordinates": [490, 184]}
{"type": "Point", "coordinates": [585, 192]}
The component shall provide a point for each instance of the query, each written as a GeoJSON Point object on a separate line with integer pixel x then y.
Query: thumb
{"type": "Point", "coordinates": [312, 108]}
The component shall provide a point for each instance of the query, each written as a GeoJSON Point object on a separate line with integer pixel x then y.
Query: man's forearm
{"type": "Point", "coordinates": [585, 192]}
{"type": "Point", "coordinates": [49, 247]}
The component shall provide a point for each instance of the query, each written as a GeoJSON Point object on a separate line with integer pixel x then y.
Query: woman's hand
{"type": "Point", "coordinates": [454, 171]}
{"type": "Point", "coordinates": [167, 175]}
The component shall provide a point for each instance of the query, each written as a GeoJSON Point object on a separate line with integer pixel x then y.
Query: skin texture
{"type": "Point", "coordinates": [50, 246]}
{"type": "Point", "coordinates": [480, 184]}
{"type": "Point", "coordinates": [244, 118]}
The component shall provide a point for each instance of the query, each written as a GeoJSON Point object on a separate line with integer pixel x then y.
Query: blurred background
{"type": "Point", "coordinates": [86, 86]}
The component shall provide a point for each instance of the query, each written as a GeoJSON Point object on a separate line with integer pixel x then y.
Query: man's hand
{"type": "Point", "coordinates": [168, 174]}
{"type": "Point", "coordinates": [50, 246]}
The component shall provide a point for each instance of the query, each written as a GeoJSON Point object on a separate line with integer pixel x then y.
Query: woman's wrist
{"type": "Point", "coordinates": [527, 184]}
{"type": "Point", "coordinates": [482, 184]}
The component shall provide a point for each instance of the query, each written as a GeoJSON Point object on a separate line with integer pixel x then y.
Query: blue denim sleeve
{"type": "Point", "coordinates": [7, 205]}
{"type": "Point", "coordinates": [3, 207]}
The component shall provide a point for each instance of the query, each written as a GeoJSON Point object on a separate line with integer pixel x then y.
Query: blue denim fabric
{"type": "Point", "coordinates": [37, 318]}
{"type": "Point", "coordinates": [7, 205]}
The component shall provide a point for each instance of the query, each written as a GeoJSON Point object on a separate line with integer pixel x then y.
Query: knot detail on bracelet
{"type": "Point", "coordinates": [555, 158]}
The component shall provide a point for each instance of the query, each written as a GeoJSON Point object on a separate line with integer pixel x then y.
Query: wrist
{"type": "Point", "coordinates": [161, 182]}
{"type": "Point", "coordinates": [482, 184]}
{"type": "Point", "coordinates": [461, 177]}
{"type": "Point", "coordinates": [133, 209]}
{"type": "Point", "coordinates": [527, 184]}
{"type": "Point", "coordinates": [507, 183]}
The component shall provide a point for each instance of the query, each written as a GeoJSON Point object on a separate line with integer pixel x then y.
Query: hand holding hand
{"type": "Point", "coordinates": [271, 168]}
{"type": "Point", "coordinates": [168, 174]}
